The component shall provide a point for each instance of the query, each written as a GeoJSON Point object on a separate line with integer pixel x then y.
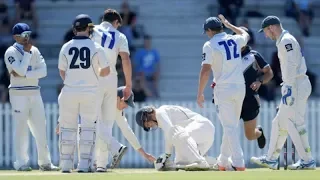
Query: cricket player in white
{"type": "Point", "coordinates": [26, 66]}
{"type": "Point", "coordinates": [114, 43]}
{"type": "Point", "coordinates": [295, 90]}
{"type": "Point", "coordinates": [81, 63]}
{"type": "Point", "coordinates": [116, 148]}
{"type": "Point", "coordinates": [191, 134]}
{"type": "Point", "coordinates": [222, 55]}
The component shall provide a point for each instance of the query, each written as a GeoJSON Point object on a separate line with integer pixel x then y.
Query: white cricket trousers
{"type": "Point", "coordinates": [228, 101]}
{"type": "Point", "coordinates": [202, 132]}
{"type": "Point", "coordinates": [291, 119]}
{"type": "Point", "coordinates": [107, 116]}
{"type": "Point", "coordinates": [28, 111]}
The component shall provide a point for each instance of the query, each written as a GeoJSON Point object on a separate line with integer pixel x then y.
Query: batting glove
{"type": "Point", "coordinates": [287, 95]}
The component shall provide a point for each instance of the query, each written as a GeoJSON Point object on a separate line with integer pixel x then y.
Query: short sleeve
{"type": "Point", "coordinates": [124, 47]}
{"type": "Point", "coordinates": [63, 62]}
{"type": "Point", "coordinates": [241, 39]}
{"type": "Point", "coordinates": [207, 54]}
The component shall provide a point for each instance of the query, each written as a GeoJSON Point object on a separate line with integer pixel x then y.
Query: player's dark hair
{"type": "Point", "coordinates": [80, 29]}
{"type": "Point", "coordinates": [110, 15]}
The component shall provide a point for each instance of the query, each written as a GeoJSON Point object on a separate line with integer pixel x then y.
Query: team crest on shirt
{"type": "Point", "coordinates": [11, 59]}
{"type": "Point", "coordinates": [288, 47]}
{"type": "Point", "coordinates": [203, 56]}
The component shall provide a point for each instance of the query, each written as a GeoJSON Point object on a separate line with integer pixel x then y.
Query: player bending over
{"type": "Point", "coordinates": [116, 148]}
{"type": "Point", "coordinates": [256, 72]}
{"type": "Point", "coordinates": [295, 90]}
{"type": "Point", "coordinates": [188, 132]}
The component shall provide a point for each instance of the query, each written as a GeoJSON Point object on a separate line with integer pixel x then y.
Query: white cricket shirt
{"type": "Point", "coordinates": [31, 66]}
{"type": "Point", "coordinates": [112, 42]}
{"type": "Point", "coordinates": [292, 62]}
{"type": "Point", "coordinates": [81, 59]}
{"type": "Point", "coordinates": [223, 53]}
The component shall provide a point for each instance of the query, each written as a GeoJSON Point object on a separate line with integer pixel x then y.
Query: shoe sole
{"type": "Point", "coordinates": [261, 138]}
{"type": "Point", "coordinates": [117, 162]}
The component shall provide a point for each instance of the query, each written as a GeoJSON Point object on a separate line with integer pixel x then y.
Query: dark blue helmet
{"type": "Point", "coordinates": [142, 116]}
{"type": "Point", "coordinates": [212, 23]}
{"type": "Point", "coordinates": [82, 21]}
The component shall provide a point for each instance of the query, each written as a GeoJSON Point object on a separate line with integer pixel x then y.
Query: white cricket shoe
{"type": "Point", "coordinates": [303, 165]}
{"type": "Point", "coordinates": [263, 161]}
{"type": "Point", "coordinates": [197, 166]}
{"type": "Point", "coordinates": [117, 157]}
{"type": "Point", "coordinates": [101, 170]}
{"type": "Point", "coordinates": [49, 167]}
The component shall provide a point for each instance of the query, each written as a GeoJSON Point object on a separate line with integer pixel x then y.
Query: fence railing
{"type": "Point", "coordinates": [153, 142]}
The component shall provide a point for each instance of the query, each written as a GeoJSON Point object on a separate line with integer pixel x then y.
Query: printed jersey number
{"type": "Point", "coordinates": [227, 45]}
{"type": "Point", "coordinates": [104, 38]}
{"type": "Point", "coordinates": [83, 54]}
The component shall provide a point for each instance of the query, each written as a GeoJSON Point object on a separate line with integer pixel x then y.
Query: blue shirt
{"type": "Point", "coordinates": [146, 61]}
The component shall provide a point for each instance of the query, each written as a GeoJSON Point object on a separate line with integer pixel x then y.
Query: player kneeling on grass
{"type": "Point", "coordinates": [190, 133]}
{"type": "Point", "coordinates": [116, 148]}
{"type": "Point", "coordinates": [256, 72]}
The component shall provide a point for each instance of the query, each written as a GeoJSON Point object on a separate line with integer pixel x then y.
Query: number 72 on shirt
{"type": "Point", "coordinates": [227, 45]}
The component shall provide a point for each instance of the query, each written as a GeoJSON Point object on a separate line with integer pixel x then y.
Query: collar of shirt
{"type": "Point", "coordinates": [18, 45]}
{"type": "Point", "coordinates": [106, 24]}
{"type": "Point", "coordinates": [219, 35]}
{"type": "Point", "coordinates": [80, 37]}
{"type": "Point", "coordinates": [280, 37]}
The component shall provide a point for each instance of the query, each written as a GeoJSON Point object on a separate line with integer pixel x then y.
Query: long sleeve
{"type": "Point", "coordinates": [288, 62]}
{"type": "Point", "coordinates": [13, 63]}
{"type": "Point", "coordinates": [40, 69]}
{"type": "Point", "coordinates": [127, 131]}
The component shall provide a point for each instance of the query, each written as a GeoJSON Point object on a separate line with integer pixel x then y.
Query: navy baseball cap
{"type": "Point", "coordinates": [82, 21]}
{"type": "Point", "coordinates": [129, 101]}
{"type": "Point", "coordinates": [212, 23]}
{"type": "Point", "coordinates": [19, 28]}
{"type": "Point", "coordinates": [268, 21]}
{"type": "Point", "coordinates": [141, 116]}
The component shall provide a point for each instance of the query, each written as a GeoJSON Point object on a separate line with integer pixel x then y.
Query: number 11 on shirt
{"type": "Point", "coordinates": [104, 38]}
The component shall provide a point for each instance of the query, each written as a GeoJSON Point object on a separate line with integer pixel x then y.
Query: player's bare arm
{"type": "Point", "coordinates": [127, 70]}
{"type": "Point", "coordinates": [149, 157]}
{"type": "Point", "coordinates": [203, 80]}
{"type": "Point", "coordinates": [62, 74]}
{"type": "Point", "coordinates": [267, 76]}
{"type": "Point", "coordinates": [234, 28]}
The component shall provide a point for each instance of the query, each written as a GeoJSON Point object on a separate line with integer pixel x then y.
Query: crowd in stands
{"type": "Point", "coordinates": [145, 58]}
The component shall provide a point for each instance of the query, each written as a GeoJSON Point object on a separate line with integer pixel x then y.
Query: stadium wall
{"type": "Point", "coordinates": [153, 141]}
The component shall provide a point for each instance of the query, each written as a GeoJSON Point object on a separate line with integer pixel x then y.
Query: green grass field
{"type": "Point", "coordinates": [150, 174]}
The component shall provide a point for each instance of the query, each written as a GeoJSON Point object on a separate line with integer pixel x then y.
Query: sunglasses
{"type": "Point", "coordinates": [25, 34]}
